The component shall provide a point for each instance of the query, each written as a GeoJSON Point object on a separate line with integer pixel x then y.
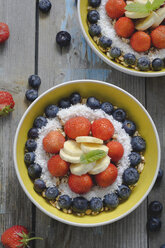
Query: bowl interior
{"type": "Point", "coordinates": [82, 9]}
{"type": "Point", "coordinates": [104, 92]}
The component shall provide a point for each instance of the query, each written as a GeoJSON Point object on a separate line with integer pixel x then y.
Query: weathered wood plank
{"type": "Point", "coordinates": [16, 64]}
{"type": "Point", "coordinates": [156, 107]}
{"type": "Point", "coordinates": [56, 66]}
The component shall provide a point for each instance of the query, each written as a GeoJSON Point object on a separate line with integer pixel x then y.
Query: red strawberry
{"type": "Point", "coordinates": [16, 236]}
{"type": "Point", "coordinates": [107, 177]}
{"type": "Point", "coordinates": [80, 184]}
{"type": "Point", "coordinates": [140, 41]}
{"type": "Point", "coordinates": [115, 8]}
{"type": "Point", "coordinates": [102, 129]}
{"type": "Point", "coordinates": [53, 142]}
{"type": "Point", "coordinates": [6, 103]}
{"type": "Point", "coordinates": [57, 167]}
{"type": "Point", "coordinates": [77, 126]}
{"type": "Point", "coordinates": [124, 27]}
{"type": "Point", "coordinates": [158, 37]}
{"type": "Point", "coordinates": [116, 150]}
{"type": "Point", "coordinates": [4, 32]}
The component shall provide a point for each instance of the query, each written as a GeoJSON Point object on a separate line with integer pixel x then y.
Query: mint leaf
{"type": "Point", "coordinates": [156, 4]}
{"type": "Point", "coordinates": [92, 156]}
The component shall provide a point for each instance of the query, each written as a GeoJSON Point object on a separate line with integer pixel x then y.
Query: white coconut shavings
{"type": "Point", "coordinates": [41, 156]}
{"type": "Point", "coordinates": [65, 114]}
{"type": "Point", "coordinates": [108, 30]}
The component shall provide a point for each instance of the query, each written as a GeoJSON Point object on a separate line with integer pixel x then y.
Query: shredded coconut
{"type": "Point", "coordinates": [65, 114]}
{"type": "Point", "coordinates": [108, 30]}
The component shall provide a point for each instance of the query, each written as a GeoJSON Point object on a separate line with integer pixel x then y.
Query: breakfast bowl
{"type": "Point", "coordinates": [105, 92]}
{"type": "Point", "coordinates": [125, 41]}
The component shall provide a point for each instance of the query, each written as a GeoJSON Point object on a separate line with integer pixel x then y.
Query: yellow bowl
{"type": "Point", "coordinates": [104, 92]}
{"type": "Point", "coordinates": [82, 15]}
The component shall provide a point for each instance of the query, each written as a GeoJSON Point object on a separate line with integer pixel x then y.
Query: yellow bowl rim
{"type": "Point", "coordinates": [36, 203]}
{"type": "Point", "coordinates": [110, 62]}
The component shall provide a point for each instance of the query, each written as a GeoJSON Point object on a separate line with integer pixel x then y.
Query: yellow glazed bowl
{"type": "Point", "coordinates": [104, 92]}
{"type": "Point", "coordinates": [82, 15]}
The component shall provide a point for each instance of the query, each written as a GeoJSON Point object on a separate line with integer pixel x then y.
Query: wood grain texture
{"type": "Point", "coordinates": [16, 64]}
{"type": "Point", "coordinates": [156, 107]}
{"type": "Point", "coordinates": [77, 62]}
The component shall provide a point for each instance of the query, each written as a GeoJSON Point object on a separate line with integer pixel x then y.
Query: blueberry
{"type": "Point", "coordinates": [129, 59]}
{"type": "Point", "coordinates": [143, 64]}
{"type": "Point", "coordinates": [40, 121]}
{"type": "Point", "coordinates": [115, 52]}
{"type": "Point", "coordinates": [138, 144]}
{"type": "Point", "coordinates": [63, 39]}
{"type": "Point", "coordinates": [51, 111]}
{"type": "Point", "coordinates": [31, 145]}
{"type": "Point", "coordinates": [111, 200]}
{"type": "Point", "coordinates": [105, 42]}
{"type": "Point", "coordinates": [155, 208]}
{"type": "Point", "coordinates": [33, 133]}
{"type": "Point", "coordinates": [93, 103]}
{"type": "Point", "coordinates": [51, 193]}
{"type": "Point", "coordinates": [124, 192]}
{"type": "Point", "coordinates": [130, 176]}
{"type": "Point", "coordinates": [93, 16]}
{"type": "Point", "coordinates": [160, 175]}
{"type": "Point", "coordinates": [96, 204]}
{"type": "Point", "coordinates": [157, 64]}
{"type": "Point", "coordinates": [45, 5]}
{"type": "Point", "coordinates": [31, 95]}
{"type": "Point", "coordinates": [94, 30]}
{"type": "Point", "coordinates": [94, 3]}
{"type": "Point", "coordinates": [154, 224]}
{"type": "Point", "coordinates": [107, 107]}
{"type": "Point", "coordinates": [64, 201]}
{"type": "Point", "coordinates": [129, 127]}
{"type": "Point", "coordinates": [34, 171]}
{"type": "Point", "coordinates": [80, 204]}
{"type": "Point", "coordinates": [39, 185]}
{"type": "Point", "coordinates": [162, 246]}
{"type": "Point", "coordinates": [64, 103]}
{"type": "Point", "coordinates": [29, 158]}
{"type": "Point", "coordinates": [34, 81]}
{"type": "Point", "coordinates": [134, 158]}
{"type": "Point", "coordinates": [119, 115]}
{"type": "Point", "coordinates": [75, 98]}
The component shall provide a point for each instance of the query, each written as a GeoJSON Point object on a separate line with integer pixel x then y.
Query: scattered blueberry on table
{"type": "Point", "coordinates": [34, 81]}
{"type": "Point", "coordinates": [31, 95]}
{"type": "Point", "coordinates": [45, 6]}
{"type": "Point", "coordinates": [154, 224]}
{"type": "Point", "coordinates": [160, 175]}
{"type": "Point", "coordinates": [155, 208]}
{"type": "Point", "coordinates": [63, 39]}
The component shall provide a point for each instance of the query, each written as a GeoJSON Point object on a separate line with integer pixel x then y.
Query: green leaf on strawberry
{"type": "Point", "coordinates": [92, 156]}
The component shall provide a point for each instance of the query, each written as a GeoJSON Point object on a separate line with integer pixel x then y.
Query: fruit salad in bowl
{"type": "Point", "coordinates": [129, 34]}
{"type": "Point", "coordinates": [83, 156]}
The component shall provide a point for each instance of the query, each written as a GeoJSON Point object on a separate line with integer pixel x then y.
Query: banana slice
{"type": "Point", "coordinates": [147, 22]}
{"type": "Point", "coordinates": [100, 166]}
{"type": "Point", "coordinates": [135, 15]}
{"type": "Point", "coordinates": [81, 169]}
{"type": "Point", "coordinates": [88, 139]}
{"type": "Point", "coordinates": [69, 158]}
{"type": "Point", "coordinates": [87, 147]}
{"type": "Point", "coordinates": [160, 17]}
{"type": "Point", "coordinates": [72, 148]}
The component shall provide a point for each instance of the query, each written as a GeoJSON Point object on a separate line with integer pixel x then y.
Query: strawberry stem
{"type": "Point", "coordinates": [27, 240]}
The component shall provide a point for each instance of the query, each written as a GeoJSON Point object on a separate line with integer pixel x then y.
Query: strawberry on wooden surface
{"type": "Point", "coordinates": [6, 103]}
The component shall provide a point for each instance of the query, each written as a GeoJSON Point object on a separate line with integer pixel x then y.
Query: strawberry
{"type": "Point", "coordinates": [53, 142]}
{"type": "Point", "coordinates": [6, 103]}
{"type": "Point", "coordinates": [158, 37]}
{"type": "Point", "coordinates": [107, 177]}
{"type": "Point", "coordinates": [140, 41]}
{"type": "Point", "coordinates": [124, 27]}
{"type": "Point", "coordinates": [102, 129]}
{"type": "Point", "coordinates": [57, 167]}
{"type": "Point", "coordinates": [115, 8]}
{"type": "Point", "coordinates": [4, 32]}
{"type": "Point", "coordinates": [80, 184]}
{"type": "Point", "coordinates": [116, 150]}
{"type": "Point", "coordinates": [16, 236]}
{"type": "Point", "coordinates": [77, 126]}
